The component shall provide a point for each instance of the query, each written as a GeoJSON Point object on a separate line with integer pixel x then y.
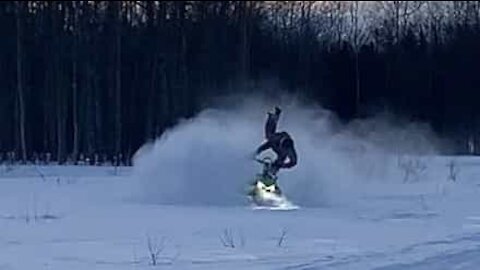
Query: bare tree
{"type": "Point", "coordinates": [436, 21]}
{"type": "Point", "coordinates": [19, 12]}
{"type": "Point", "coordinates": [76, 31]}
{"type": "Point", "coordinates": [399, 15]}
{"type": "Point", "coordinates": [81, 74]}
{"type": "Point", "coordinates": [57, 12]}
{"type": "Point", "coordinates": [118, 81]}
{"type": "Point", "coordinates": [356, 41]}
{"type": "Point", "coordinates": [244, 53]}
{"type": "Point", "coordinates": [155, 248]}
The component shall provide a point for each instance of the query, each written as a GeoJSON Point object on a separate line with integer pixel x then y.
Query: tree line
{"type": "Point", "coordinates": [103, 77]}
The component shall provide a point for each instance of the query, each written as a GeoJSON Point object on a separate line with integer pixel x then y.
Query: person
{"type": "Point", "coordinates": [280, 142]}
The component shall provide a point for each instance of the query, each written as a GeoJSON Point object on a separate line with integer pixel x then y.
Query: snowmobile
{"type": "Point", "coordinates": [264, 190]}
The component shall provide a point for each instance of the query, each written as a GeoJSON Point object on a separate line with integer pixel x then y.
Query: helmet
{"type": "Point", "coordinates": [286, 142]}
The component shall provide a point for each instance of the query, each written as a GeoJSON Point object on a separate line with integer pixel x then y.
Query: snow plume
{"type": "Point", "coordinates": [206, 160]}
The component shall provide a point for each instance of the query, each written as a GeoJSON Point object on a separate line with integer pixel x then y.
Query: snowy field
{"type": "Point", "coordinates": [374, 194]}
{"type": "Point", "coordinates": [84, 218]}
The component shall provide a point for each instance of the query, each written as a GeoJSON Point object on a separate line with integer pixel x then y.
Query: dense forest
{"type": "Point", "coordinates": [100, 78]}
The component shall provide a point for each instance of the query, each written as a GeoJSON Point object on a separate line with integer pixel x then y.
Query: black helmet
{"type": "Point", "coordinates": [286, 142]}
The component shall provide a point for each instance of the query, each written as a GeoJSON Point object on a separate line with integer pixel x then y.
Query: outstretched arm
{"type": "Point", "coordinates": [292, 159]}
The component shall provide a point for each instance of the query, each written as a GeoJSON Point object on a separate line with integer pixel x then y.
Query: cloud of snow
{"type": "Point", "coordinates": [206, 160]}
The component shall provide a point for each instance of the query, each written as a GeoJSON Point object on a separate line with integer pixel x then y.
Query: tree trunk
{"type": "Point", "coordinates": [151, 111]}
{"type": "Point", "coordinates": [118, 88]}
{"type": "Point", "coordinates": [57, 82]}
{"type": "Point", "coordinates": [244, 44]}
{"type": "Point", "coordinates": [357, 84]}
{"type": "Point", "coordinates": [74, 85]}
{"type": "Point", "coordinates": [181, 82]}
{"type": "Point", "coordinates": [188, 96]}
{"type": "Point", "coordinates": [150, 117]}
{"type": "Point", "coordinates": [20, 90]}
{"type": "Point", "coordinates": [356, 47]}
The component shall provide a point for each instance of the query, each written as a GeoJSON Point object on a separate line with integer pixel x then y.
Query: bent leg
{"type": "Point", "coordinates": [271, 125]}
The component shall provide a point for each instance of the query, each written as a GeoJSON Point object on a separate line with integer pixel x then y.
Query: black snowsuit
{"type": "Point", "coordinates": [280, 142]}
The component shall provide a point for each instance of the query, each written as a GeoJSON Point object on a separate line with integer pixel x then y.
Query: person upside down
{"type": "Point", "coordinates": [280, 142]}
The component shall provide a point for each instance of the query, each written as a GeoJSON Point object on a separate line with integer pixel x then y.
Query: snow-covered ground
{"type": "Point", "coordinates": [85, 218]}
{"type": "Point", "coordinates": [373, 194]}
